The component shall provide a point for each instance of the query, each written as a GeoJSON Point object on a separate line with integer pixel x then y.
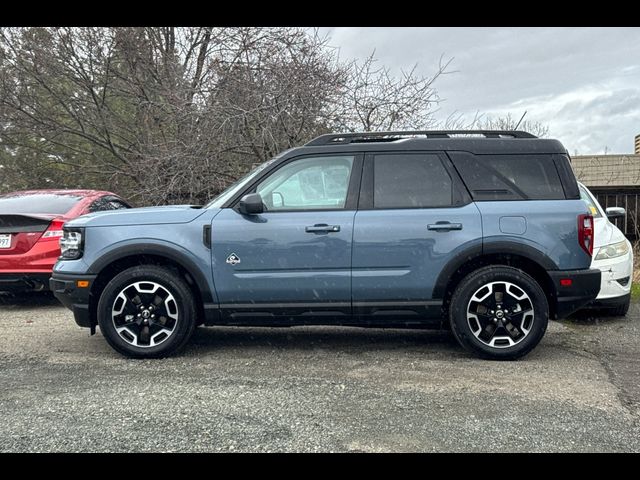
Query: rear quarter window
{"type": "Point", "coordinates": [509, 177]}
{"type": "Point", "coordinates": [104, 204]}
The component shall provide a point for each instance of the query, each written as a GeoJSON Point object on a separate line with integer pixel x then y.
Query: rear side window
{"type": "Point", "coordinates": [38, 203]}
{"type": "Point", "coordinates": [410, 181]}
{"type": "Point", "coordinates": [107, 203]}
{"type": "Point", "coordinates": [509, 177]}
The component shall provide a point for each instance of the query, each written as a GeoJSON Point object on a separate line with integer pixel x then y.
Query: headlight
{"type": "Point", "coordinates": [612, 251]}
{"type": "Point", "coordinates": [71, 244]}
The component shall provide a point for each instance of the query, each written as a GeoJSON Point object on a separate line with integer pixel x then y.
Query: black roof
{"type": "Point", "coordinates": [474, 141]}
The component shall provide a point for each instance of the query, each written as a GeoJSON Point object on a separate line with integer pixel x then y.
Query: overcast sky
{"type": "Point", "coordinates": [584, 83]}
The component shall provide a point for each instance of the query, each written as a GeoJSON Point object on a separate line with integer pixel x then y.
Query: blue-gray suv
{"type": "Point", "coordinates": [482, 231]}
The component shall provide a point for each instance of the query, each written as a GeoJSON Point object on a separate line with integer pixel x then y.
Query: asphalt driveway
{"type": "Point", "coordinates": [315, 389]}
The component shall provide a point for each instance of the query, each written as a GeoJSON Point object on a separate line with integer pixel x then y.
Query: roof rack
{"type": "Point", "coordinates": [341, 138]}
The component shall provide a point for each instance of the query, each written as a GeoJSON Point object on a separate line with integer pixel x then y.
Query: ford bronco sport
{"type": "Point", "coordinates": [484, 231]}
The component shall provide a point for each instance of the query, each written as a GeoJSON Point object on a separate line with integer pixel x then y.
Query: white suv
{"type": "Point", "coordinates": [612, 254]}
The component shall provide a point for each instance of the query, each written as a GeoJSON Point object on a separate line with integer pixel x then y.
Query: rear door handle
{"type": "Point", "coordinates": [322, 228]}
{"type": "Point", "coordinates": [444, 226]}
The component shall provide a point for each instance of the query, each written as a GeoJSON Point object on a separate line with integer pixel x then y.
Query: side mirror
{"type": "Point", "coordinates": [615, 212]}
{"type": "Point", "coordinates": [251, 204]}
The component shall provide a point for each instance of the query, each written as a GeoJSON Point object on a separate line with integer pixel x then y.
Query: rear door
{"type": "Point", "coordinates": [414, 216]}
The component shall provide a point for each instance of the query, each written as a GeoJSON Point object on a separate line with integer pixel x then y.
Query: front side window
{"type": "Point", "coordinates": [411, 181]}
{"type": "Point", "coordinates": [319, 183]}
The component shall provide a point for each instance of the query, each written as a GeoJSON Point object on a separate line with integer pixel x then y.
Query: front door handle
{"type": "Point", "coordinates": [322, 228]}
{"type": "Point", "coordinates": [444, 226]}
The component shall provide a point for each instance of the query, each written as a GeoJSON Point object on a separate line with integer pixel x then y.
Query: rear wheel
{"type": "Point", "coordinates": [147, 312]}
{"type": "Point", "coordinates": [499, 313]}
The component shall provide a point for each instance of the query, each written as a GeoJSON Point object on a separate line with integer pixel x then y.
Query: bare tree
{"type": "Point", "coordinates": [508, 122]}
{"type": "Point", "coordinates": [376, 100]}
{"type": "Point", "coordinates": [166, 114]}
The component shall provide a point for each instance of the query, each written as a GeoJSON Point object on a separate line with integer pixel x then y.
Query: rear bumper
{"type": "Point", "coordinates": [65, 288]}
{"type": "Point", "coordinates": [40, 258]}
{"type": "Point", "coordinates": [573, 289]}
{"type": "Point", "coordinates": [24, 282]}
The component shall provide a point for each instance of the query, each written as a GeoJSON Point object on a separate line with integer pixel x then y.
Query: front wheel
{"type": "Point", "coordinates": [499, 313]}
{"type": "Point", "coordinates": [147, 312]}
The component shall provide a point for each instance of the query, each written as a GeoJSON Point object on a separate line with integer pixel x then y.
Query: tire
{"type": "Point", "coordinates": [159, 290]}
{"type": "Point", "coordinates": [527, 319]}
{"type": "Point", "coordinates": [619, 310]}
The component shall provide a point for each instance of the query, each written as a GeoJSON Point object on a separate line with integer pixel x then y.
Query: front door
{"type": "Point", "coordinates": [293, 260]}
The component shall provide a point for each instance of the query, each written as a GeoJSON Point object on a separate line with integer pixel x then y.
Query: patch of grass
{"type": "Point", "coordinates": [635, 291]}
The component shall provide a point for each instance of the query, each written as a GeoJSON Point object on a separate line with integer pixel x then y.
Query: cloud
{"type": "Point", "coordinates": [582, 82]}
{"type": "Point", "coordinates": [588, 119]}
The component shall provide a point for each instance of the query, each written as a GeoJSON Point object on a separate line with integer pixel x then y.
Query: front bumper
{"type": "Point", "coordinates": [617, 276]}
{"type": "Point", "coordinates": [611, 302]}
{"type": "Point", "coordinates": [24, 282]}
{"type": "Point", "coordinates": [75, 298]}
{"type": "Point", "coordinates": [573, 289]}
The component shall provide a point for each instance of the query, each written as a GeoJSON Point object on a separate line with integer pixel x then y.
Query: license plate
{"type": "Point", "coordinates": [5, 241]}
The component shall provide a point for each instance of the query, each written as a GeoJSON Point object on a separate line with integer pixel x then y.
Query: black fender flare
{"type": "Point", "coordinates": [504, 247]}
{"type": "Point", "coordinates": [160, 250]}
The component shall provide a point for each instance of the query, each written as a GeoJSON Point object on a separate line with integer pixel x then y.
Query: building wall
{"type": "Point", "coordinates": [607, 170]}
{"type": "Point", "coordinates": [615, 182]}
{"type": "Point", "coordinates": [629, 199]}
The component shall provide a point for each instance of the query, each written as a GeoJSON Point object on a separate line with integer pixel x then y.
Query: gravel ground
{"type": "Point", "coordinates": [315, 389]}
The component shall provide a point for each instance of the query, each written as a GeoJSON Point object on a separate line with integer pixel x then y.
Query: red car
{"type": "Point", "coordinates": [30, 229]}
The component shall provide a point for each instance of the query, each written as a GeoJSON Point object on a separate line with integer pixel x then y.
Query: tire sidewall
{"type": "Point", "coordinates": [479, 278]}
{"type": "Point", "coordinates": [168, 280]}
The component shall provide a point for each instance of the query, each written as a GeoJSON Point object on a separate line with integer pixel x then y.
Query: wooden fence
{"type": "Point", "coordinates": [626, 198]}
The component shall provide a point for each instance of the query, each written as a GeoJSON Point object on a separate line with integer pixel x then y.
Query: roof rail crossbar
{"type": "Point", "coordinates": [342, 138]}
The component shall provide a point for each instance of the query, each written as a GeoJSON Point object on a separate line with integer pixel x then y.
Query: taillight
{"type": "Point", "coordinates": [585, 233]}
{"type": "Point", "coordinates": [54, 232]}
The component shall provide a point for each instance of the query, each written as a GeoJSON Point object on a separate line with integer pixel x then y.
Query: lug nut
{"type": "Point", "coordinates": [153, 316]}
{"type": "Point", "coordinates": [150, 307]}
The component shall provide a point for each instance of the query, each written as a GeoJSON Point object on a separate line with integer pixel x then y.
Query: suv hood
{"type": "Point", "coordinates": [139, 216]}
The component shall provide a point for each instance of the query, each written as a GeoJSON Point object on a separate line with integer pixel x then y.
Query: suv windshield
{"type": "Point", "coordinates": [591, 202]}
{"type": "Point", "coordinates": [47, 203]}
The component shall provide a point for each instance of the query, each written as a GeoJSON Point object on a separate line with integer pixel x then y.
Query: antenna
{"type": "Point", "coordinates": [521, 118]}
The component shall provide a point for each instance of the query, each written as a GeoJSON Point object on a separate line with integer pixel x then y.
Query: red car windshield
{"type": "Point", "coordinates": [46, 203]}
